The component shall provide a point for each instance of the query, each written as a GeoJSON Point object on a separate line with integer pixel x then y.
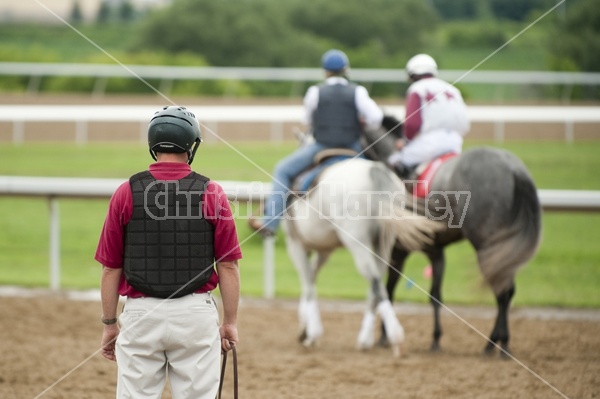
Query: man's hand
{"type": "Point", "coordinates": [229, 336]}
{"type": "Point", "coordinates": [399, 144]}
{"type": "Point", "coordinates": [109, 337]}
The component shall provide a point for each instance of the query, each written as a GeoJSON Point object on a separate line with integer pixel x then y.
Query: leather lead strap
{"type": "Point", "coordinates": [235, 373]}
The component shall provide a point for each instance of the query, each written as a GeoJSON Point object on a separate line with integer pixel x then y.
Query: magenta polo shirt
{"type": "Point", "coordinates": [215, 208]}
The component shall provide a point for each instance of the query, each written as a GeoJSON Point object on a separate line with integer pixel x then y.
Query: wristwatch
{"type": "Point", "coordinates": [108, 321]}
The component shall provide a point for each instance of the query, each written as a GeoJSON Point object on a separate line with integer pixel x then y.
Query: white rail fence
{"type": "Point", "coordinates": [276, 116]}
{"type": "Point", "coordinates": [52, 189]}
{"type": "Point", "coordinates": [167, 74]}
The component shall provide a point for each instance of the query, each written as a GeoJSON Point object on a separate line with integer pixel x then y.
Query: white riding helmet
{"type": "Point", "coordinates": [421, 64]}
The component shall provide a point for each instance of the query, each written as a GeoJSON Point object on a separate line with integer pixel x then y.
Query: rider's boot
{"type": "Point", "coordinates": [402, 171]}
{"type": "Point", "coordinates": [257, 224]}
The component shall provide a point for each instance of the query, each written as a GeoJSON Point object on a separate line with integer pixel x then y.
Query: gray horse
{"type": "Point", "coordinates": [489, 198]}
{"type": "Point", "coordinates": [357, 204]}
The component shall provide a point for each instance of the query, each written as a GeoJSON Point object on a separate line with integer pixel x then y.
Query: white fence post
{"type": "Point", "coordinates": [276, 132]}
{"type": "Point", "coordinates": [81, 134]}
{"type": "Point", "coordinates": [54, 244]}
{"type": "Point", "coordinates": [499, 132]}
{"type": "Point", "coordinates": [18, 132]}
{"type": "Point", "coordinates": [569, 132]}
{"type": "Point", "coordinates": [269, 267]}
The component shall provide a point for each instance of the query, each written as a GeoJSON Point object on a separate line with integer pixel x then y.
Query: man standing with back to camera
{"type": "Point", "coordinates": [165, 230]}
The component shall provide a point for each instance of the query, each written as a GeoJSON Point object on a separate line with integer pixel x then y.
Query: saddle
{"type": "Point", "coordinates": [309, 178]}
{"type": "Point", "coordinates": [423, 175]}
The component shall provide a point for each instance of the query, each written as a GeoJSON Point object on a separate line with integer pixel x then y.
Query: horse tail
{"type": "Point", "coordinates": [413, 232]}
{"type": "Point", "coordinates": [517, 241]}
{"type": "Point", "coordinates": [396, 221]}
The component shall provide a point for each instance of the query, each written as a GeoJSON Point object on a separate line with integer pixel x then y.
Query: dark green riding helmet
{"type": "Point", "coordinates": [174, 129]}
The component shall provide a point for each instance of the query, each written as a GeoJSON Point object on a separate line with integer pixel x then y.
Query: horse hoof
{"type": "Point", "coordinates": [302, 337]}
{"type": "Point", "coordinates": [309, 343]}
{"type": "Point", "coordinates": [435, 348]}
{"type": "Point", "coordinates": [489, 350]}
{"type": "Point", "coordinates": [365, 341]}
{"type": "Point", "coordinates": [363, 347]}
{"type": "Point", "coordinates": [383, 343]}
{"type": "Point", "coordinates": [396, 351]}
{"type": "Point", "coordinates": [505, 353]}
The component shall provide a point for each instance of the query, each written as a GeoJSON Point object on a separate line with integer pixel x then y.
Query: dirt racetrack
{"type": "Point", "coordinates": [49, 347]}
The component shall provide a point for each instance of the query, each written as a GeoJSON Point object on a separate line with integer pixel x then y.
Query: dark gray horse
{"type": "Point", "coordinates": [488, 197]}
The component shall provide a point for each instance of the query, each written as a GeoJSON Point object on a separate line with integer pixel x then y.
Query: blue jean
{"type": "Point", "coordinates": [285, 172]}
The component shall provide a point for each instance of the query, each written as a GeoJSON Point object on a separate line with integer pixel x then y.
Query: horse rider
{"type": "Point", "coordinates": [168, 240]}
{"type": "Point", "coordinates": [336, 111]}
{"type": "Point", "coordinates": [436, 118]}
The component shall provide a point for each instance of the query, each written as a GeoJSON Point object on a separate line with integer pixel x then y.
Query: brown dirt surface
{"type": "Point", "coordinates": [50, 348]}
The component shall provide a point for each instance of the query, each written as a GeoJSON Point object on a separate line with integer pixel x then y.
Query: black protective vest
{"type": "Point", "coordinates": [168, 243]}
{"type": "Point", "coordinates": [335, 121]}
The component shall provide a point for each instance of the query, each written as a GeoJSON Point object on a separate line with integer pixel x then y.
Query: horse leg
{"type": "Point", "coordinates": [436, 257]}
{"type": "Point", "coordinates": [311, 327]}
{"type": "Point", "coordinates": [366, 337]}
{"type": "Point", "coordinates": [393, 328]}
{"type": "Point", "coordinates": [379, 304]}
{"type": "Point", "coordinates": [372, 268]}
{"type": "Point", "coordinates": [397, 260]}
{"type": "Point", "coordinates": [308, 310]}
{"type": "Point", "coordinates": [500, 333]}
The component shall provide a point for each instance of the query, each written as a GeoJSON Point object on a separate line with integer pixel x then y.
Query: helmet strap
{"type": "Point", "coordinates": [192, 152]}
{"type": "Point", "coordinates": [153, 154]}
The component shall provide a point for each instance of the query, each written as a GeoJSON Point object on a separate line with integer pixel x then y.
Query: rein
{"type": "Point", "coordinates": [235, 373]}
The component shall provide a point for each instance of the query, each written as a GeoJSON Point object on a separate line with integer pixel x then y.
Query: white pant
{"type": "Point", "coordinates": [427, 146]}
{"type": "Point", "coordinates": [175, 336]}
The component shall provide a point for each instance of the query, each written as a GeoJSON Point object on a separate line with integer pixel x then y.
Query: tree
{"type": "Point", "coordinates": [76, 16]}
{"type": "Point", "coordinates": [288, 33]}
{"type": "Point", "coordinates": [229, 33]}
{"type": "Point", "coordinates": [400, 26]}
{"type": "Point", "coordinates": [456, 9]}
{"type": "Point", "coordinates": [518, 10]}
{"type": "Point", "coordinates": [103, 14]}
{"type": "Point", "coordinates": [126, 11]}
{"type": "Point", "coordinates": [576, 39]}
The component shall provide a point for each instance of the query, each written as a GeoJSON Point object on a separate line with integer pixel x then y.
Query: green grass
{"type": "Point", "coordinates": [59, 43]}
{"type": "Point", "coordinates": [556, 165]}
{"type": "Point", "coordinates": [565, 272]}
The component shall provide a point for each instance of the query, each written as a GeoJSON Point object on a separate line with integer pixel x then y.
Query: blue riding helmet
{"type": "Point", "coordinates": [334, 61]}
